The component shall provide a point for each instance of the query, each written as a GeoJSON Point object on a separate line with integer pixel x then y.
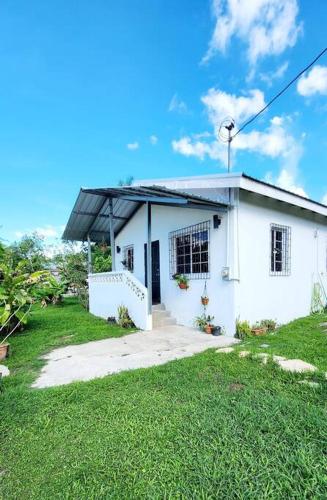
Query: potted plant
{"type": "Point", "coordinates": [4, 350]}
{"type": "Point", "coordinates": [204, 297]}
{"type": "Point", "coordinates": [209, 326]}
{"type": "Point", "coordinates": [182, 281]}
{"type": "Point", "coordinates": [258, 329]}
{"type": "Point", "coordinates": [200, 322]}
{"type": "Point", "coordinates": [216, 330]}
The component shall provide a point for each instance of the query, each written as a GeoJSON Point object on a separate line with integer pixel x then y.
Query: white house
{"type": "Point", "coordinates": [261, 251]}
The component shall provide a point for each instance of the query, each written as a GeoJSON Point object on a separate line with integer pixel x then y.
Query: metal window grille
{"type": "Point", "coordinates": [129, 257]}
{"type": "Point", "coordinates": [280, 253]}
{"type": "Point", "coordinates": [189, 251]}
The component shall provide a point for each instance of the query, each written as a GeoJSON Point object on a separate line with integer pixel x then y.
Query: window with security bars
{"type": "Point", "coordinates": [189, 251]}
{"type": "Point", "coordinates": [280, 259]}
{"type": "Point", "coordinates": [129, 258]}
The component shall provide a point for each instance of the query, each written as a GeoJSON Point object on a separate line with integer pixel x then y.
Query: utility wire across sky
{"type": "Point", "coordinates": [279, 93]}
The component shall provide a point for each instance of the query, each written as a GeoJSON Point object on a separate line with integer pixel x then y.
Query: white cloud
{"type": "Point", "coordinates": [132, 146]}
{"type": "Point", "coordinates": [313, 82]}
{"type": "Point", "coordinates": [219, 104]}
{"type": "Point", "coordinates": [286, 180]}
{"type": "Point", "coordinates": [275, 141]}
{"type": "Point", "coordinates": [267, 27]}
{"type": "Point", "coordinates": [271, 76]}
{"type": "Point", "coordinates": [153, 139]}
{"type": "Point", "coordinates": [200, 149]}
{"type": "Point", "coordinates": [324, 199]}
{"type": "Point", "coordinates": [177, 105]}
{"type": "Point", "coordinates": [47, 232]}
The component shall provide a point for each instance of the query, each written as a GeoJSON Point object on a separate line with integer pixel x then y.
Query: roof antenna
{"type": "Point", "coordinates": [225, 135]}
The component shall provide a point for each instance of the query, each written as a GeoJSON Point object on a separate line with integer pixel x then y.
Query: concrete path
{"type": "Point", "coordinates": [137, 350]}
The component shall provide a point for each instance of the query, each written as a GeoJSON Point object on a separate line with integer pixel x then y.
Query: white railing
{"type": "Point", "coordinates": [107, 291]}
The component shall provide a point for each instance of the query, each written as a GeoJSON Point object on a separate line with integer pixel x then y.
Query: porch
{"type": "Point", "coordinates": [101, 215]}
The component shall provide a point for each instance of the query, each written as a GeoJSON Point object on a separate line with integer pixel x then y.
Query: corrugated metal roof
{"type": "Point", "coordinates": [90, 214]}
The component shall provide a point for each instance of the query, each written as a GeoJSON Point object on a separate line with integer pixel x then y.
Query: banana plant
{"type": "Point", "coordinates": [17, 288]}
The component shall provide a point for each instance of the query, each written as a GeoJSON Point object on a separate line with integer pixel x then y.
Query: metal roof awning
{"type": "Point", "coordinates": [90, 215]}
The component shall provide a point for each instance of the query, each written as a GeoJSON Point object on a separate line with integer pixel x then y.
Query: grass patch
{"type": "Point", "coordinates": [210, 426]}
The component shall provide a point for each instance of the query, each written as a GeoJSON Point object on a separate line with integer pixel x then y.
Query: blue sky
{"type": "Point", "coordinates": [91, 92]}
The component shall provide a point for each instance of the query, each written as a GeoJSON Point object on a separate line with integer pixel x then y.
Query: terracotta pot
{"type": "Point", "coordinates": [183, 286]}
{"type": "Point", "coordinates": [259, 331]}
{"type": "Point", "coordinates": [4, 351]}
{"type": "Point", "coordinates": [205, 301]}
{"type": "Point", "coordinates": [208, 329]}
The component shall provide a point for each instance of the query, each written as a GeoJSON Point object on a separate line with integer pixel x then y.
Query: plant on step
{"type": "Point", "coordinates": [243, 329]}
{"type": "Point", "coordinates": [124, 319]}
{"type": "Point", "coordinates": [181, 280]}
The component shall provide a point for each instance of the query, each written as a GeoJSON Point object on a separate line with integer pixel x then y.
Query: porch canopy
{"type": "Point", "coordinates": [100, 214]}
{"type": "Point", "coordinates": [93, 209]}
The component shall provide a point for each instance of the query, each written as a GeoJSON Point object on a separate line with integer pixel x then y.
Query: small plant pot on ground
{"type": "Point", "coordinates": [205, 301]}
{"type": "Point", "coordinates": [257, 332]}
{"type": "Point", "coordinates": [4, 351]}
{"type": "Point", "coordinates": [216, 330]}
{"type": "Point", "coordinates": [208, 329]}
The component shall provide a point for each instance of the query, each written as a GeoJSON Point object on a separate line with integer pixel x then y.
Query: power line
{"type": "Point", "coordinates": [280, 93]}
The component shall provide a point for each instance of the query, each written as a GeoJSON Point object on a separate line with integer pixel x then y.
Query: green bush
{"type": "Point", "coordinates": [124, 319]}
{"type": "Point", "coordinates": [243, 329]}
{"type": "Point", "coordinates": [270, 324]}
{"type": "Point", "coordinates": [50, 292]}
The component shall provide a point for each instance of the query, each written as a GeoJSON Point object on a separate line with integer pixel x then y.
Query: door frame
{"type": "Point", "coordinates": [155, 261]}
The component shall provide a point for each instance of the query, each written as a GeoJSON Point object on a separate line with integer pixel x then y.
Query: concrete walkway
{"type": "Point", "coordinates": [137, 350]}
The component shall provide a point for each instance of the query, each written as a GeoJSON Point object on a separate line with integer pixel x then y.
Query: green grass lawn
{"type": "Point", "coordinates": [210, 426]}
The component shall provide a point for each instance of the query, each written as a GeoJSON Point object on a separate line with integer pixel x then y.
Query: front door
{"type": "Point", "coordinates": [155, 271]}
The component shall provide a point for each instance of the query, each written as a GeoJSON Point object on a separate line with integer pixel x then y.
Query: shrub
{"type": "Point", "coordinates": [270, 324]}
{"type": "Point", "coordinates": [124, 319]}
{"type": "Point", "coordinates": [50, 292]}
{"type": "Point", "coordinates": [243, 329]}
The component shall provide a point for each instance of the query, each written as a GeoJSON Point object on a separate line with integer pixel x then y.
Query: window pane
{"type": "Point", "coordinates": [189, 251]}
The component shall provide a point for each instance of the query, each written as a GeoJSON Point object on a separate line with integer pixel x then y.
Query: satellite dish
{"type": "Point", "coordinates": [225, 129]}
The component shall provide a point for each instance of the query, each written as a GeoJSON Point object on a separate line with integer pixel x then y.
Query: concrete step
{"type": "Point", "coordinates": [162, 322]}
{"type": "Point", "coordinates": [158, 307]}
{"type": "Point", "coordinates": [160, 314]}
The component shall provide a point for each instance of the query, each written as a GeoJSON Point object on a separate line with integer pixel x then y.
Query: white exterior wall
{"type": "Point", "coordinates": [107, 291]}
{"type": "Point", "coordinates": [260, 295]}
{"type": "Point", "coordinates": [183, 305]}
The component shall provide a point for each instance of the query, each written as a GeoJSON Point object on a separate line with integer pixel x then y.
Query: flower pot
{"type": "Point", "coordinates": [4, 351]}
{"type": "Point", "coordinates": [259, 331]}
{"type": "Point", "coordinates": [183, 286]}
{"type": "Point", "coordinates": [216, 331]}
{"type": "Point", "coordinates": [208, 329]}
{"type": "Point", "coordinates": [205, 301]}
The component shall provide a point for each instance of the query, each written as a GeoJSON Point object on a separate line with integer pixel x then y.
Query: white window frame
{"type": "Point", "coordinates": [280, 250]}
{"type": "Point", "coordinates": [126, 249]}
{"type": "Point", "coordinates": [190, 231]}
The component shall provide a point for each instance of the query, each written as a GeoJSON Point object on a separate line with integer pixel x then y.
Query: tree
{"type": "Point", "coordinates": [72, 268]}
{"type": "Point", "coordinates": [18, 289]}
{"type": "Point", "coordinates": [101, 258]}
{"type": "Point", "coordinates": [30, 251]}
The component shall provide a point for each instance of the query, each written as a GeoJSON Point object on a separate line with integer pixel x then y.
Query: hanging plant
{"type": "Point", "coordinates": [204, 297]}
{"type": "Point", "coordinates": [182, 281]}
